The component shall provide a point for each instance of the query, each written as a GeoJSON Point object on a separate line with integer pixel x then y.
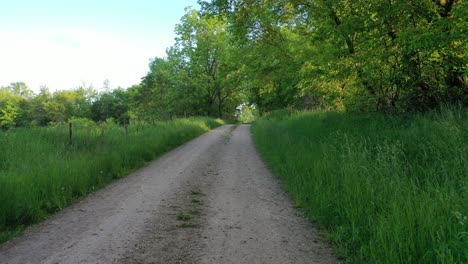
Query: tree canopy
{"type": "Point", "coordinates": [392, 56]}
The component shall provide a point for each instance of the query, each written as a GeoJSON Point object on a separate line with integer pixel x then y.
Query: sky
{"type": "Point", "coordinates": [65, 44]}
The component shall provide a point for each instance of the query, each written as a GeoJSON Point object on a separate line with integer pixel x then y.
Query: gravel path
{"type": "Point", "coordinates": [209, 201]}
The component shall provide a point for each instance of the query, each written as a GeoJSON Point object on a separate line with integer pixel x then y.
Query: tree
{"type": "Point", "coordinates": [361, 55]}
{"type": "Point", "coordinates": [200, 76]}
{"type": "Point", "coordinates": [20, 89]}
{"type": "Point", "coordinates": [111, 104]}
{"type": "Point", "coordinates": [8, 115]}
{"type": "Point", "coordinates": [65, 104]}
{"type": "Point", "coordinates": [14, 105]}
{"type": "Point", "coordinates": [37, 112]}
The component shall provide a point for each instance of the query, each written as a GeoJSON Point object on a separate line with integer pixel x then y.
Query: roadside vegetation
{"type": "Point", "coordinates": [381, 164]}
{"type": "Point", "coordinates": [40, 173]}
{"type": "Point", "coordinates": [386, 189]}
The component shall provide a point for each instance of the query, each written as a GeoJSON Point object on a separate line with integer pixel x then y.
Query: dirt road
{"type": "Point", "coordinates": [209, 201]}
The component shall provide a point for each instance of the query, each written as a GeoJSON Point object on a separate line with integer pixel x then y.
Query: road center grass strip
{"type": "Point", "coordinates": [40, 173]}
{"type": "Point", "coordinates": [384, 189]}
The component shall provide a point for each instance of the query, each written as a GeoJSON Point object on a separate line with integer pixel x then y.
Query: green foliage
{"type": "Point", "coordinates": [183, 216]}
{"type": "Point", "coordinates": [201, 74]}
{"type": "Point", "coordinates": [41, 173]}
{"type": "Point", "coordinates": [246, 113]}
{"type": "Point", "coordinates": [113, 104]}
{"type": "Point", "coordinates": [405, 56]}
{"type": "Point", "coordinates": [8, 115]}
{"type": "Point", "coordinates": [13, 105]}
{"type": "Point", "coordinates": [20, 107]}
{"type": "Point", "coordinates": [37, 113]}
{"type": "Point", "coordinates": [387, 189]}
{"type": "Point", "coordinates": [65, 104]}
{"type": "Point", "coordinates": [279, 115]}
{"type": "Point", "coordinates": [362, 56]}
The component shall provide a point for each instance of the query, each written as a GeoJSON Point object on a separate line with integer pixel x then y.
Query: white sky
{"type": "Point", "coordinates": [65, 50]}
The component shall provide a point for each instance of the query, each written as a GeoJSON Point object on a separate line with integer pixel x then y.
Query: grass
{"type": "Point", "coordinates": [183, 216]}
{"type": "Point", "coordinates": [40, 173]}
{"type": "Point", "coordinates": [385, 189]}
{"type": "Point", "coordinates": [196, 201]}
{"type": "Point", "coordinates": [196, 191]}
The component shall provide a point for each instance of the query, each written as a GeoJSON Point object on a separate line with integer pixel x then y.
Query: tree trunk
{"type": "Point", "coordinates": [220, 102]}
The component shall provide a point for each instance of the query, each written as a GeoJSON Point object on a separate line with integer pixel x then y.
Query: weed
{"type": "Point", "coordinates": [196, 201]}
{"type": "Point", "coordinates": [197, 191]}
{"type": "Point", "coordinates": [184, 216]}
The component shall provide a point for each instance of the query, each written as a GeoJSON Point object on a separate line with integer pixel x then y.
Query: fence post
{"type": "Point", "coordinates": [70, 133]}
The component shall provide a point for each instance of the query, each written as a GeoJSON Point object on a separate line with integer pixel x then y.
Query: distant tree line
{"type": "Point", "coordinates": [347, 55]}
{"type": "Point", "coordinates": [20, 106]}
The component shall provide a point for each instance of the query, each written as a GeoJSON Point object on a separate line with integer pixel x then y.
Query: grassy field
{"type": "Point", "coordinates": [40, 173]}
{"type": "Point", "coordinates": [384, 189]}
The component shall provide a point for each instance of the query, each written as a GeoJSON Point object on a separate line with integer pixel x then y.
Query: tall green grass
{"type": "Point", "coordinates": [40, 173]}
{"type": "Point", "coordinates": [385, 189]}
